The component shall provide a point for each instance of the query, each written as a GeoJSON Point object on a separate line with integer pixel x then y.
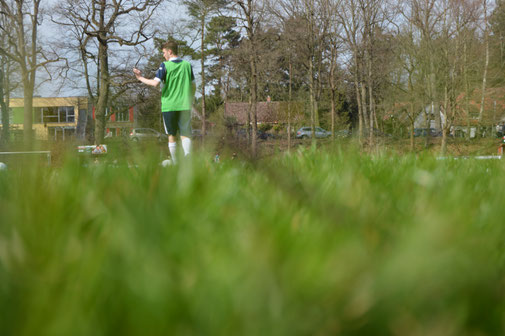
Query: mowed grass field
{"type": "Point", "coordinates": [318, 242]}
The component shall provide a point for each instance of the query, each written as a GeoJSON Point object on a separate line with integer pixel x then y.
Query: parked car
{"type": "Point", "coordinates": [265, 135]}
{"type": "Point", "coordinates": [242, 134]}
{"type": "Point", "coordinates": [147, 134]}
{"type": "Point", "coordinates": [424, 132]}
{"type": "Point", "coordinates": [306, 132]}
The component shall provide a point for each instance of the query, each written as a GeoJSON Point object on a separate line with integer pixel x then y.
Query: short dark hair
{"type": "Point", "coordinates": [170, 45]}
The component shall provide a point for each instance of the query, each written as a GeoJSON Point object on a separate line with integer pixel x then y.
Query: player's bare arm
{"type": "Point", "coordinates": [151, 82]}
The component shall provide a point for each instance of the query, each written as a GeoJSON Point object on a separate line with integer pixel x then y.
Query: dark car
{"type": "Point", "coordinates": [424, 132]}
{"type": "Point", "coordinates": [265, 135]}
{"type": "Point", "coordinates": [242, 134]}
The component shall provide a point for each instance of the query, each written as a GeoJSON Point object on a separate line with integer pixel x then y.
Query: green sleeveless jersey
{"type": "Point", "coordinates": [177, 92]}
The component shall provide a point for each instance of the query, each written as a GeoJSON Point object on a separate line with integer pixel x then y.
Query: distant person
{"type": "Point", "coordinates": [177, 96]}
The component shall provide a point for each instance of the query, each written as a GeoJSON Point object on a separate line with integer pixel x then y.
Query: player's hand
{"type": "Point", "coordinates": [137, 72]}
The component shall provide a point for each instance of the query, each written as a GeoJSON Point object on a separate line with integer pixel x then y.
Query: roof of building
{"type": "Point", "coordinates": [51, 101]}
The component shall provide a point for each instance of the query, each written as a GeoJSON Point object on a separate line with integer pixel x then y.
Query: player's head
{"type": "Point", "coordinates": [170, 49]}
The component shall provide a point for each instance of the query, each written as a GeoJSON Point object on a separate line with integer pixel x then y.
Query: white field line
{"type": "Point", "coordinates": [483, 157]}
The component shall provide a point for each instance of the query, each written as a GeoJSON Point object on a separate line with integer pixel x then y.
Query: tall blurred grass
{"type": "Point", "coordinates": [312, 243]}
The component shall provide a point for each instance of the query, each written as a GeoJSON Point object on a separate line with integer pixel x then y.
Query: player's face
{"type": "Point", "coordinates": [166, 54]}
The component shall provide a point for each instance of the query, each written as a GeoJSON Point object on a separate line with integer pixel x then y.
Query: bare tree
{"type": "Point", "coordinates": [22, 19]}
{"type": "Point", "coordinates": [459, 18]}
{"type": "Point", "coordinates": [290, 37]}
{"type": "Point", "coordinates": [426, 19]}
{"type": "Point", "coordinates": [249, 13]}
{"type": "Point", "coordinates": [3, 109]}
{"type": "Point", "coordinates": [305, 26]}
{"type": "Point", "coordinates": [334, 43]}
{"type": "Point", "coordinates": [201, 12]}
{"type": "Point", "coordinates": [221, 38]}
{"type": "Point", "coordinates": [6, 85]}
{"type": "Point", "coordinates": [486, 58]}
{"type": "Point", "coordinates": [99, 24]}
{"type": "Point", "coordinates": [351, 21]}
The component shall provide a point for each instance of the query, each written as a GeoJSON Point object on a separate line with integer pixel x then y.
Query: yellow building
{"type": "Point", "coordinates": [53, 118]}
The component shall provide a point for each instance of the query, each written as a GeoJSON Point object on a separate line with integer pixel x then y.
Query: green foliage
{"type": "Point", "coordinates": [220, 40]}
{"type": "Point", "coordinates": [264, 127]}
{"type": "Point", "coordinates": [278, 128]}
{"type": "Point", "coordinates": [213, 103]}
{"type": "Point", "coordinates": [184, 50]}
{"type": "Point", "coordinates": [309, 243]}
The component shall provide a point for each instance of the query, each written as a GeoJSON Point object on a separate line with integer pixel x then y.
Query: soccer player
{"type": "Point", "coordinates": [177, 95]}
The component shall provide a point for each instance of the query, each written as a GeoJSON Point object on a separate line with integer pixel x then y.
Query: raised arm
{"type": "Point", "coordinates": [152, 82]}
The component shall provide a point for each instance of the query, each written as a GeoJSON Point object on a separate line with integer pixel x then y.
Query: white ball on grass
{"type": "Point", "coordinates": [166, 163]}
{"type": "Point", "coordinates": [3, 166]}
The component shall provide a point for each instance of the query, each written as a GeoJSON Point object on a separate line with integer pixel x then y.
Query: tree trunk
{"type": "Point", "coordinates": [27, 74]}
{"type": "Point", "coordinates": [358, 99]}
{"type": "Point", "coordinates": [253, 98]}
{"type": "Point", "coordinates": [467, 91]}
{"type": "Point", "coordinates": [412, 139]}
{"type": "Point", "coordinates": [103, 76]}
{"type": "Point", "coordinates": [428, 124]}
{"type": "Point", "coordinates": [202, 61]}
{"type": "Point", "coordinates": [28, 113]}
{"type": "Point", "coordinates": [310, 28]}
{"type": "Point", "coordinates": [5, 111]}
{"type": "Point", "coordinates": [311, 91]}
{"type": "Point", "coordinates": [484, 76]}
{"type": "Point", "coordinates": [364, 105]}
{"type": "Point", "coordinates": [254, 101]}
{"type": "Point", "coordinates": [289, 103]}
{"type": "Point", "coordinates": [317, 95]}
{"type": "Point", "coordinates": [333, 89]}
{"type": "Point", "coordinates": [333, 114]}
{"type": "Point", "coordinates": [248, 128]}
{"type": "Point", "coordinates": [103, 96]}
{"type": "Point", "coordinates": [443, 146]}
{"type": "Point", "coordinates": [371, 100]}
{"type": "Point", "coordinates": [412, 126]}
{"type": "Point", "coordinates": [432, 95]}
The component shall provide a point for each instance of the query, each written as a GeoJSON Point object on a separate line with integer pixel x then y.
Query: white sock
{"type": "Point", "coordinates": [172, 147]}
{"type": "Point", "coordinates": [186, 145]}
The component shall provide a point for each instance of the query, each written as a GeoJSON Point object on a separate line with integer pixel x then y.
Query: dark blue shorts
{"type": "Point", "coordinates": [177, 121]}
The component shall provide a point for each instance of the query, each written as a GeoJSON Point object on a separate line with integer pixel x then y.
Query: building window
{"type": "Point", "coordinates": [66, 114]}
{"type": "Point", "coordinates": [49, 115]}
{"type": "Point", "coordinates": [62, 114]}
{"type": "Point", "coordinates": [122, 115]}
